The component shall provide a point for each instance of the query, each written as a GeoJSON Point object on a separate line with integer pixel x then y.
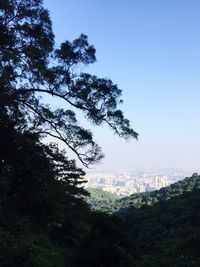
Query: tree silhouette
{"type": "Point", "coordinates": [43, 216]}
{"type": "Point", "coordinates": [31, 67]}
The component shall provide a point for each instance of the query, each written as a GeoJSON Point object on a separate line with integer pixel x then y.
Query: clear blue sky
{"type": "Point", "coordinates": [151, 49]}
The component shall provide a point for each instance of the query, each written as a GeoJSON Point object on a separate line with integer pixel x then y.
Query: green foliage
{"type": "Point", "coordinates": [100, 200]}
{"type": "Point", "coordinates": [159, 235]}
{"type": "Point", "coordinates": [149, 198]}
{"type": "Point", "coordinates": [40, 215]}
{"type": "Point", "coordinates": [160, 228]}
{"type": "Point", "coordinates": [167, 233]}
{"type": "Point", "coordinates": [28, 251]}
{"type": "Point", "coordinates": [106, 243]}
{"type": "Point", "coordinates": [112, 205]}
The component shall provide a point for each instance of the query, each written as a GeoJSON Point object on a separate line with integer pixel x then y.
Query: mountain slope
{"type": "Point", "coordinates": [166, 233]}
{"type": "Point", "coordinates": [165, 193]}
{"type": "Point", "coordinates": [107, 202]}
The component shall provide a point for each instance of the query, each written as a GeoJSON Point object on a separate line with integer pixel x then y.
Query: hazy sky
{"type": "Point", "coordinates": [151, 49]}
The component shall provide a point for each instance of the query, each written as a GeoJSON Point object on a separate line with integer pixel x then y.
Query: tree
{"type": "Point", "coordinates": [31, 67]}
{"type": "Point", "coordinates": [42, 210]}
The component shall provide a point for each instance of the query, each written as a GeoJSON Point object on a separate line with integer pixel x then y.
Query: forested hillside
{"type": "Point", "coordinates": [112, 204]}
{"type": "Point", "coordinates": [99, 199]}
{"type": "Point", "coordinates": [161, 235]}
{"type": "Point", "coordinates": [166, 233]}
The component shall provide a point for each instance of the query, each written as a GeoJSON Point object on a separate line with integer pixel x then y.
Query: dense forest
{"type": "Point", "coordinates": [45, 220]}
{"type": "Point", "coordinates": [166, 233]}
{"type": "Point", "coordinates": [101, 200]}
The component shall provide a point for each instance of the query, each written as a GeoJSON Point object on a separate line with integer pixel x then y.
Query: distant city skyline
{"type": "Point", "coordinates": [130, 182]}
{"type": "Point", "coordinates": [151, 49]}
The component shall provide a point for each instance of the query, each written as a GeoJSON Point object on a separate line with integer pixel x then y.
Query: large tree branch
{"type": "Point", "coordinates": [53, 93]}
{"type": "Point", "coordinates": [65, 96]}
{"type": "Point", "coordinates": [59, 135]}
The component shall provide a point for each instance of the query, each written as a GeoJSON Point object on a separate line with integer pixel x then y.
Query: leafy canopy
{"type": "Point", "coordinates": [31, 67]}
